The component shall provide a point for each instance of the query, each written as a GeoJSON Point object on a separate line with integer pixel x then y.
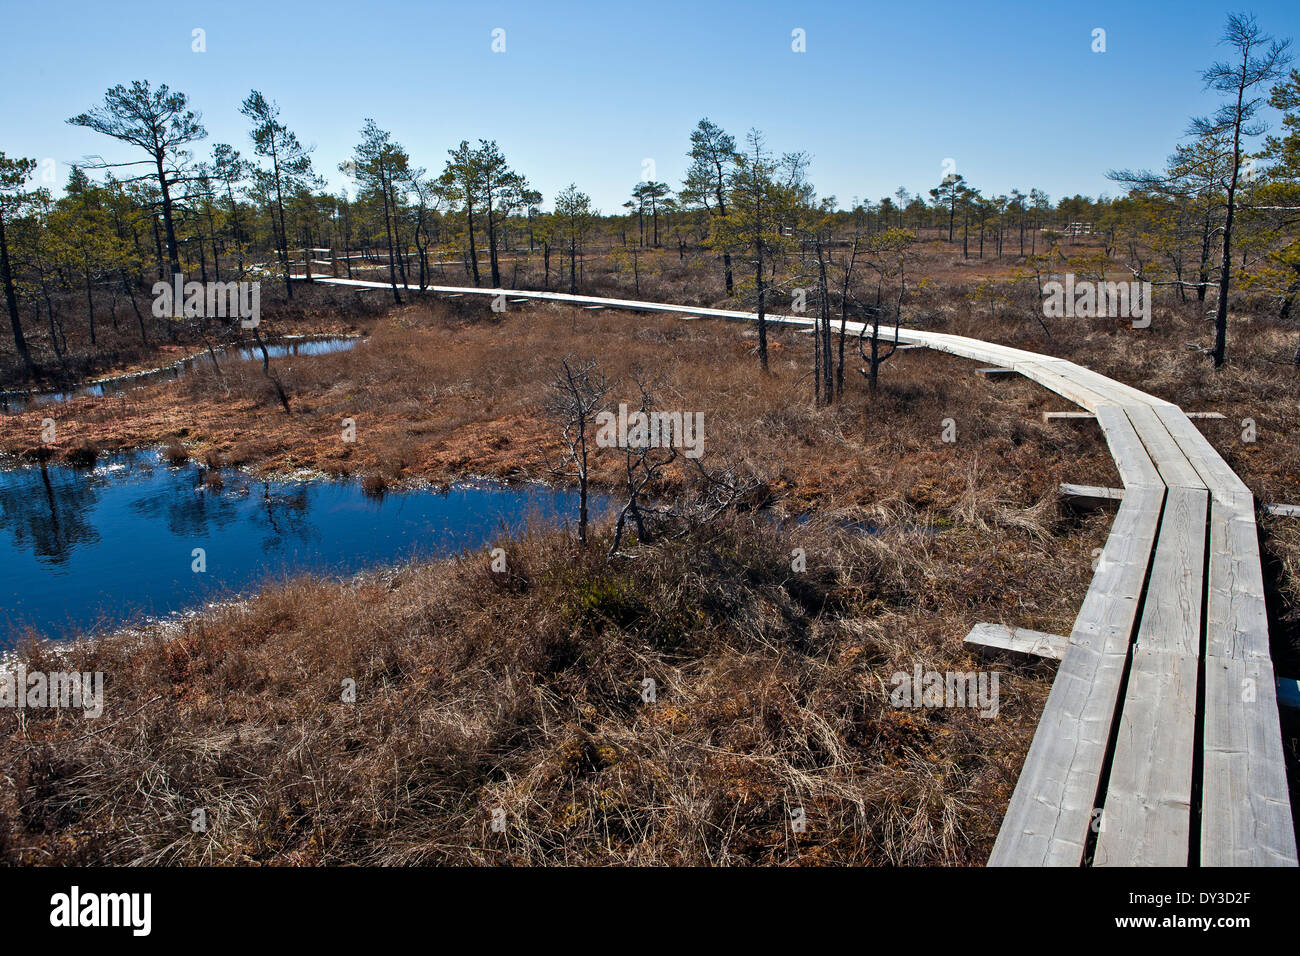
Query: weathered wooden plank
{"type": "Point", "coordinates": [1283, 511]}
{"type": "Point", "coordinates": [1214, 471]}
{"type": "Point", "coordinates": [966, 347]}
{"type": "Point", "coordinates": [1018, 640]}
{"type": "Point", "coordinates": [1171, 616]}
{"type": "Point", "coordinates": [1051, 810]}
{"type": "Point", "coordinates": [1091, 495]}
{"type": "Point", "coordinates": [995, 371]}
{"type": "Point", "coordinates": [1205, 414]}
{"type": "Point", "coordinates": [884, 345]}
{"type": "Point", "coordinates": [1146, 820]}
{"type": "Point", "coordinates": [1236, 614]}
{"type": "Point", "coordinates": [1245, 806]}
{"type": "Point", "coordinates": [1170, 460]}
{"type": "Point", "coordinates": [1049, 375]}
{"type": "Point", "coordinates": [1122, 394]}
{"type": "Point", "coordinates": [1146, 817]}
{"type": "Point", "coordinates": [1067, 416]}
{"type": "Point", "coordinates": [1131, 459]}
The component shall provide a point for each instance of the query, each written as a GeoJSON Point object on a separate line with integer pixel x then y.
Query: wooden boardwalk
{"type": "Point", "coordinates": [1159, 743]}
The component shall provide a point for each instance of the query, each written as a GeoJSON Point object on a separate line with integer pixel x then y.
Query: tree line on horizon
{"type": "Point", "coordinates": [1219, 208]}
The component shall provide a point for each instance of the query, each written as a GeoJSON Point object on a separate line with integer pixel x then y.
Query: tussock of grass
{"type": "Point", "coordinates": [82, 454]}
{"type": "Point", "coordinates": [176, 454]}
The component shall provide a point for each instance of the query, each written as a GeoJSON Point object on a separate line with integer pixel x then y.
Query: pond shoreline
{"type": "Point", "coordinates": [95, 550]}
{"type": "Point", "coordinates": [20, 400]}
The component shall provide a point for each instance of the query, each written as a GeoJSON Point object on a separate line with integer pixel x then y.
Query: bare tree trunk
{"type": "Point", "coordinates": [90, 306]}
{"type": "Point", "coordinates": [11, 302]}
{"type": "Point", "coordinates": [492, 247]}
{"type": "Point", "coordinates": [173, 254]}
{"type": "Point", "coordinates": [203, 264]}
{"type": "Point", "coordinates": [817, 356]}
{"type": "Point", "coordinates": [1225, 275]}
{"type": "Point", "coordinates": [823, 331]}
{"type": "Point", "coordinates": [1203, 273]}
{"type": "Point", "coordinates": [266, 370]}
{"type": "Point", "coordinates": [157, 242]}
{"type": "Point", "coordinates": [722, 211]}
{"type": "Point", "coordinates": [582, 501]}
{"type": "Point", "coordinates": [839, 366]}
{"type": "Point", "coordinates": [473, 251]}
{"type": "Point", "coordinates": [54, 332]}
{"type": "Point", "coordinates": [392, 251]}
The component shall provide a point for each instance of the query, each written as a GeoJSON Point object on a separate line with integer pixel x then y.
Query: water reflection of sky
{"type": "Point", "coordinates": [82, 549]}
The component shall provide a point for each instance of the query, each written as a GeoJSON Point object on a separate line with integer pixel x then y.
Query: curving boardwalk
{"type": "Point", "coordinates": [1159, 744]}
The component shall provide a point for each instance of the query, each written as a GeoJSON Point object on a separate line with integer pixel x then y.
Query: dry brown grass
{"type": "Point", "coordinates": [521, 691]}
{"type": "Point", "coordinates": [476, 693]}
{"type": "Point", "coordinates": [440, 391]}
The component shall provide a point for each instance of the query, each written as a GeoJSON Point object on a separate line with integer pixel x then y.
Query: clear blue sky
{"type": "Point", "coordinates": [585, 91]}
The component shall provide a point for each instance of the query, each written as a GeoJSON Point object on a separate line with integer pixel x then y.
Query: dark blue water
{"type": "Point", "coordinates": [82, 551]}
{"type": "Point", "coordinates": [13, 402]}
